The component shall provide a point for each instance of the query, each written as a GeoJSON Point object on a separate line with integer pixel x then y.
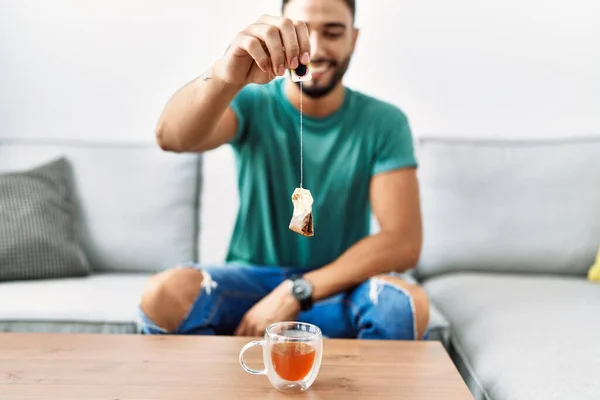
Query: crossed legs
{"type": "Point", "coordinates": [212, 300]}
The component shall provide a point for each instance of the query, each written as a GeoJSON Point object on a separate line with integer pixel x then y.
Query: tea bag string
{"type": "Point", "coordinates": [301, 140]}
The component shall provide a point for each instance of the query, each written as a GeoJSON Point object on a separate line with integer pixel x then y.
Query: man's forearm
{"type": "Point", "coordinates": [193, 111]}
{"type": "Point", "coordinates": [374, 255]}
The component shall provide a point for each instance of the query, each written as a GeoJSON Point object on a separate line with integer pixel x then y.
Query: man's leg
{"type": "Point", "coordinates": [383, 307]}
{"type": "Point", "coordinates": [194, 299]}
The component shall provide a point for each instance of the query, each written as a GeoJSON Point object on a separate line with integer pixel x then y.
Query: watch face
{"type": "Point", "coordinates": [301, 289]}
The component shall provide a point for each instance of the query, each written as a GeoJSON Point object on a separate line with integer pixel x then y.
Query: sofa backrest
{"type": "Point", "coordinates": [509, 206]}
{"type": "Point", "coordinates": [137, 204]}
{"type": "Point", "coordinates": [492, 206]}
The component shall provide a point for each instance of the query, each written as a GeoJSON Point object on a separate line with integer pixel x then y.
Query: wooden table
{"type": "Point", "coordinates": [80, 367]}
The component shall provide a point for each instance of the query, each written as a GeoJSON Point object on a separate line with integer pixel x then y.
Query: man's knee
{"type": "Point", "coordinates": [169, 295]}
{"type": "Point", "coordinates": [417, 297]}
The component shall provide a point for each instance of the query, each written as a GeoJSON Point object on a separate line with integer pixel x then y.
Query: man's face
{"type": "Point", "coordinates": [332, 40]}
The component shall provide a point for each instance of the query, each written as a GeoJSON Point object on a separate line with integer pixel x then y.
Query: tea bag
{"type": "Point", "coordinates": [302, 219]}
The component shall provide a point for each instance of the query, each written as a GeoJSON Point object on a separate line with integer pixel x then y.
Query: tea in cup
{"type": "Point", "coordinates": [292, 353]}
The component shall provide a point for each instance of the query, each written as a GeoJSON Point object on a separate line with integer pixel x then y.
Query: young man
{"type": "Point", "coordinates": [357, 157]}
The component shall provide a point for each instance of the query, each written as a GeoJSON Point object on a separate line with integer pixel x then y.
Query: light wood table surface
{"type": "Point", "coordinates": [126, 367]}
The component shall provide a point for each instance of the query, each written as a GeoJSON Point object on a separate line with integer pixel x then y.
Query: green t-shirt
{"type": "Point", "coordinates": [341, 153]}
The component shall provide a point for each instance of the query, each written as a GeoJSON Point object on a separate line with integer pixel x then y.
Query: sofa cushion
{"type": "Point", "coordinates": [100, 303]}
{"type": "Point", "coordinates": [523, 337]}
{"type": "Point", "coordinates": [509, 206]}
{"type": "Point", "coordinates": [38, 225]}
{"type": "Point", "coordinates": [137, 204]}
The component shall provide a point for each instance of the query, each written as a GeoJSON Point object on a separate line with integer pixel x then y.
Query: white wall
{"type": "Point", "coordinates": [104, 69]}
{"type": "Point", "coordinates": [486, 67]}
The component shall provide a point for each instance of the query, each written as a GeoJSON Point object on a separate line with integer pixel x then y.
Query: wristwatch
{"type": "Point", "coordinates": [302, 290]}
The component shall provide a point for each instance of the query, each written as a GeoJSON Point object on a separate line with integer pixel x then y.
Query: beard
{"type": "Point", "coordinates": [340, 69]}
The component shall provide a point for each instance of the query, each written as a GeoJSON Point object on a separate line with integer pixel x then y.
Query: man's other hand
{"type": "Point", "coordinates": [278, 306]}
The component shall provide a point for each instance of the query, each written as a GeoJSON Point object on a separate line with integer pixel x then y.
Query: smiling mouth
{"type": "Point", "coordinates": [320, 67]}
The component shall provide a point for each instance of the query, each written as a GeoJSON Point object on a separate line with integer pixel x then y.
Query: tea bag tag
{"type": "Point", "coordinates": [302, 219]}
{"type": "Point", "coordinates": [301, 73]}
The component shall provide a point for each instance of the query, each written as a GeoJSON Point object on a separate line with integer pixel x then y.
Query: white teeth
{"type": "Point", "coordinates": [319, 69]}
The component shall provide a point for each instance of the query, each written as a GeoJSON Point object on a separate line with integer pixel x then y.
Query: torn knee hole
{"type": "Point", "coordinates": [206, 281]}
{"type": "Point", "coordinates": [170, 295]}
{"type": "Point", "coordinates": [208, 284]}
{"type": "Point", "coordinates": [377, 284]}
{"type": "Point", "coordinates": [419, 308]}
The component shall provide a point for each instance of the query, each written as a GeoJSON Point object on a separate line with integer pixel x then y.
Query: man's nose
{"type": "Point", "coordinates": [315, 44]}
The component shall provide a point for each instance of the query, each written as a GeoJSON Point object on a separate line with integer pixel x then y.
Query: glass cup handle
{"type": "Point", "coordinates": [243, 364]}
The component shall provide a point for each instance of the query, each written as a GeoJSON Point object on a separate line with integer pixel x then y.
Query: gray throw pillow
{"type": "Point", "coordinates": [38, 224]}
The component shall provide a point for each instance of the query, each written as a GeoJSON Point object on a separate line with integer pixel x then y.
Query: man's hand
{"type": "Point", "coordinates": [278, 306]}
{"type": "Point", "coordinates": [264, 50]}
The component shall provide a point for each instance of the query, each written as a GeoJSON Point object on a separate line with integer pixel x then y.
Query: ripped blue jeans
{"type": "Point", "coordinates": [374, 309]}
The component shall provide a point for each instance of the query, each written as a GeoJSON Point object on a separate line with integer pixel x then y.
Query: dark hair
{"type": "Point", "coordinates": [350, 3]}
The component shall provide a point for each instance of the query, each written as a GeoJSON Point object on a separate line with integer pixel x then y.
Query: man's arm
{"type": "Point", "coordinates": [395, 202]}
{"type": "Point", "coordinates": [397, 247]}
{"type": "Point", "coordinates": [198, 117]}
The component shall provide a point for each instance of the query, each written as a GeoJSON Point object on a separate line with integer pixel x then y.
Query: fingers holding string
{"type": "Point", "coordinates": [294, 43]}
{"type": "Point", "coordinates": [287, 31]}
{"type": "Point", "coordinates": [303, 38]}
{"type": "Point", "coordinates": [253, 46]}
{"type": "Point", "coordinates": [271, 40]}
